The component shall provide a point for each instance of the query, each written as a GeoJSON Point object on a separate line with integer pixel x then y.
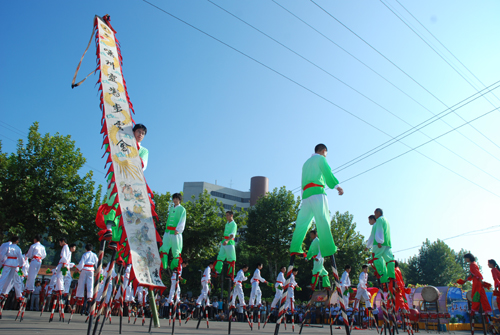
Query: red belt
{"type": "Point", "coordinates": [11, 257]}
{"type": "Point", "coordinates": [256, 280]}
{"type": "Point", "coordinates": [171, 228]}
{"type": "Point", "coordinates": [279, 282]}
{"type": "Point", "coordinates": [227, 237]}
{"type": "Point", "coordinates": [311, 185]}
{"type": "Point", "coordinates": [38, 258]}
{"type": "Point", "coordinates": [239, 281]}
{"type": "Point", "coordinates": [89, 265]}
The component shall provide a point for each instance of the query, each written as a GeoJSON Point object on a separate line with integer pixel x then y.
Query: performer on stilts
{"type": "Point", "coordinates": [316, 175]}
{"type": "Point", "coordinates": [238, 287]}
{"type": "Point", "coordinates": [37, 254]}
{"type": "Point", "coordinates": [319, 272]}
{"type": "Point", "coordinates": [400, 293]}
{"type": "Point", "coordinates": [495, 272]}
{"type": "Point", "coordinates": [256, 293]}
{"type": "Point", "coordinates": [227, 250]}
{"type": "Point", "coordinates": [280, 282]}
{"type": "Point", "coordinates": [362, 289]}
{"type": "Point", "coordinates": [479, 298]}
{"type": "Point", "coordinates": [290, 299]}
{"type": "Point", "coordinates": [87, 266]}
{"type": "Point", "coordinates": [205, 286]}
{"type": "Point", "coordinates": [345, 284]}
{"type": "Point", "coordinates": [172, 239]}
{"type": "Point", "coordinates": [175, 287]}
{"type": "Point", "coordinates": [12, 259]}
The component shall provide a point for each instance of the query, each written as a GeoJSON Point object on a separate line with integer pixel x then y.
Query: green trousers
{"type": "Point", "coordinates": [385, 268]}
{"type": "Point", "coordinates": [171, 242]}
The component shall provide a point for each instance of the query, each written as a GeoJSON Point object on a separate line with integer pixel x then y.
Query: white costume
{"type": "Point", "coordinates": [173, 285]}
{"type": "Point", "coordinates": [86, 267]}
{"type": "Point", "coordinates": [36, 254]}
{"type": "Point", "coordinates": [345, 282]}
{"type": "Point", "coordinates": [141, 295]}
{"type": "Point", "coordinates": [128, 288]}
{"type": "Point", "coordinates": [103, 283]}
{"type": "Point", "coordinates": [11, 258]}
{"type": "Point", "coordinates": [362, 291]}
{"type": "Point", "coordinates": [63, 262]}
{"type": "Point", "coordinates": [280, 282]}
{"type": "Point", "coordinates": [290, 293]}
{"type": "Point", "coordinates": [68, 279]}
{"type": "Point", "coordinates": [238, 289]}
{"type": "Point", "coordinates": [205, 282]}
{"type": "Point", "coordinates": [256, 293]}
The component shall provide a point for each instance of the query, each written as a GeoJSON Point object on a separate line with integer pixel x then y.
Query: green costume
{"type": "Point", "coordinates": [316, 174]}
{"type": "Point", "coordinates": [383, 257]}
{"type": "Point", "coordinates": [319, 270]}
{"type": "Point", "coordinates": [172, 239]}
{"type": "Point", "coordinates": [227, 252]}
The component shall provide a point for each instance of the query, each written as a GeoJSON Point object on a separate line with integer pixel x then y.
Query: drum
{"type": "Point", "coordinates": [430, 294]}
{"type": "Point", "coordinates": [469, 296]}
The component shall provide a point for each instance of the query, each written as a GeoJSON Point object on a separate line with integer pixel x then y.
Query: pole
{"type": "Point", "coordinates": [100, 256]}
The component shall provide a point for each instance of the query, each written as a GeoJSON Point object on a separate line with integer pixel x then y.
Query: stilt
{"type": "Point", "coordinates": [97, 274]}
{"type": "Point", "coordinates": [43, 304]}
{"type": "Point", "coordinates": [106, 288]}
{"type": "Point", "coordinates": [340, 301]}
{"type": "Point", "coordinates": [281, 309]}
{"type": "Point", "coordinates": [53, 306]}
{"type": "Point", "coordinates": [258, 317]}
{"type": "Point", "coordinates": [174, 298]}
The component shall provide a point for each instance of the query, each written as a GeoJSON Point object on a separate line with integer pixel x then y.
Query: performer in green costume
{"type": "Point", "coordinates": [172, 239]}
{"type": "Point", "coordinates": [227, 251]}
{"type": "Point", "coordinates": [316, 174]}
{"type": "Point", "coordinates": [380, 243]}
{"type": "Point", "coordinates": [319, 270]}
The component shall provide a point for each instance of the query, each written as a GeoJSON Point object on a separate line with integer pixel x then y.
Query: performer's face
{"type": "Point", "coordinates": [176, 201]}
{"type": "Point", "coordinates": [139, 135]}
{"type": "Point", "coordinates": [229, 217]}
{"type": "Point", "coordinates": [323, 152]}
{"type": "Point", "coordinates": [371, 221]}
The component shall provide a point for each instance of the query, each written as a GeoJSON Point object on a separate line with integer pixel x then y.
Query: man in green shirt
{"type": "Point", "coordinates": [316, 175]}
{"type": "Point", "coordinates": [140, 131]}
{"type": "Point", "coordinates": [172, 239]}
{"type": "Point", "coordinates": [380, 243]}
{"type": "Point", "coordinates": [319, 271]}
{"type": "Point", "coordinates": [227, 251]}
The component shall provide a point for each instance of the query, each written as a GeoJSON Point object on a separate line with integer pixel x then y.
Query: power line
{"type": "Point", "coordinates": [293, 81]}
{"type": "Point", "coordinates": [8, 138]}
{"type": "Point", "coordinates": [381, 76]}
{"type": "Point", "coordinates": [460, 235]}
{"type": "Point", "coordinates": [404, 153]}
{"type": "Point", "coordinates": [394, 64]}
{"type": "Point", "coordinates": [437, 53]}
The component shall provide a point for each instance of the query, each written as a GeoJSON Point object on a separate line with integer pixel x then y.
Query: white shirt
{"type": "Point", "coordinates": [345, 281]}
{"type": "Point", "coordinates": [182, 222]}
{"type": "Point", "coordinates": [280, 280]}
{"type": "Point", "coordinates": [363, 280]}
{"type": "Point", "coordinates": [377, 237]}
{"type": "Point", "coordinates": [88, 258]}
{"type": "Point", "coordinates": [37, 250]}
{"type": "Point", "coordinates": [173, 278]}
{"type": "Point", "coordinates": [206, 275]}
{"type": "Point", "coordinates": [65, 255]}
{"type": "Point", "coordinates": [240, 276]}
{"type": "Point", "coordinates": [257, 278]}
{"type": "Point", "coordinates": [8, 249]}
{"type": "Point", "coordinates": [291, 285]}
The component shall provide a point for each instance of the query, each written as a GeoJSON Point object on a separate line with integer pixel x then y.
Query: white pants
{"type": "Point", "coordinates": [173, 292]}
{"type": "Point", "coordinates": [255, 295]}
{"type": "Point", "coordinates": [277, 298]}
{"type": "Point", "coordinates": [290, 298]}
{"type": "Point", "coordinates": [86, 278]}
{"type": "Point", "coordinates": [59, 282]}
{"type": "Point", "coordinates": [33, 271]}
{"type": "Point", "coordinates": [238, 292]}
{"type": "Point", "coordinates": [129, 296]}
{"type": "Point", "coordinates": [7, 279]}
{"type": "Point", "coordinates": [204, 294]}
{"type": "Point", "coordinates": [67, 282]}
{"type": "Point", "coordinates": [345, 297]}
{"type": "Point", "coordinates": [362, 293]}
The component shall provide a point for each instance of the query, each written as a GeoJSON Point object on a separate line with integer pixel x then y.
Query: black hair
{"type": "Point", "coordinates": [295, 270]}
{"type": "Point", "coordinates": [379, 210]}
{"type": "Point", "coordinates": [63, 239]}
{"type": "Point", "coordinates": [470, 256]}
{"type": "Point", "coordinates": [492, 261]}
{"type": "Point", "coordinates": [177, 196]}
{"type": "Point", "coordinates": [347, 267]}
{"type": "Point", "coordinates": [89, 247]}
{"type": "Point", "coordinates": [185, 261]}
{"type": "Point", "coordinates": [314, 231]}
{"type": "Point", "coordinates": [320, 147]}
{"type": "Point", "coordinates": [38, 237]}
{"type": "Point", "coordinates": [140, 126]}
{"type": "Point", "coordinates": [259, 264]}
{"type": "Point", "coordinates": [72, 245]}
{"type": "Point", "coordinates": [281, 268]}
{"type": "Point", "coordinates": [230, 212]}
{"type": "Point", "coordinates": [364, 266]}
{"type": "Point", "coordinates": [396, 263]}
{"type": "Point", "coordinates": [372, 217]}
{"type": "Point", "coordinates": [14, 238]}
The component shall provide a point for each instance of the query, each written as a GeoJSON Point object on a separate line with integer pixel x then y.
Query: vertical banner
{"type": "Point", "coordinates": [127, 186]}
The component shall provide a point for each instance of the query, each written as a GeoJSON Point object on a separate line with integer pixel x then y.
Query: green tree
{"type": "Point", "coordinates": [41, 191]}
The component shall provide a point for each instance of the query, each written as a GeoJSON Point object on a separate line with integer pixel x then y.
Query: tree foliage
{"type": "Point", "coordinates": [435, 264]}
{"type": "Point", "coordinates": [41, 191]}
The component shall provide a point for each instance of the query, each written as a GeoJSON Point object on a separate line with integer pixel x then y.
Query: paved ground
{"type": "Point", "coordinates": [34, 324]}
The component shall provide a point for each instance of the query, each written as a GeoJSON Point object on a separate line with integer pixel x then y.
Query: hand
{"type": "Point", "coordinates": [176, 233]}
{"type": "Point", "coordinates": [366, 249]}
{"type": "Point", "coordinates": [224, 243]}
{"type": "Point", "coordinates": [379, 245]}
{"type": "Point", "coordinates": [341, 191]}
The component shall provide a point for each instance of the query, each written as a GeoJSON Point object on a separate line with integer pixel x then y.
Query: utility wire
{"type": "Point", "coordinates": [355, 90]}
{"type": "Point", "coordinates": [8, 138]}
{"type": "Point", "coordinates": [437, 53]}
{"type": "Point", "coordinates": [404, 153]}
{"type": "Point", "coordinates": [295, 82]}
{"type": "Point", "coordinates": [391, 62]}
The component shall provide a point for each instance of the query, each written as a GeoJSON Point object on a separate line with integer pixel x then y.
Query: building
{"type": "Point", "coordinates": [228, 196]}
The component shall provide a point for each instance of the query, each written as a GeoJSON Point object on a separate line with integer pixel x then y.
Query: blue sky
{"type": "Point", "coordinates": [215, 114]}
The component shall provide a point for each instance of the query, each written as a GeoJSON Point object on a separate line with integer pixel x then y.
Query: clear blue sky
{"type": "Point", "coordinates": [214, 114]}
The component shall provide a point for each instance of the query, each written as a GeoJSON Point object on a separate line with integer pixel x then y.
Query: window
{"type": "Point", "coordinates": [229, 197]}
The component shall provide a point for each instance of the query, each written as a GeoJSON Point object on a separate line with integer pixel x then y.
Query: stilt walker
{"type": "Point", "coordinates": [256, 293]}
{"type": "Point", "coordinates": [316, 175]}
{"type": "Point", "coordinates": [11, 260]}
{"type": "Point", "coordinates": [205, 288]}
{"type": "Point", "coordinates": [401, 305]}
{"type": "Point", "coordinates": [280, 281]}
{"type": "Point", "coordinates": [227, 250]}
{"type": "Point", "coordinates": [126, 217]}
